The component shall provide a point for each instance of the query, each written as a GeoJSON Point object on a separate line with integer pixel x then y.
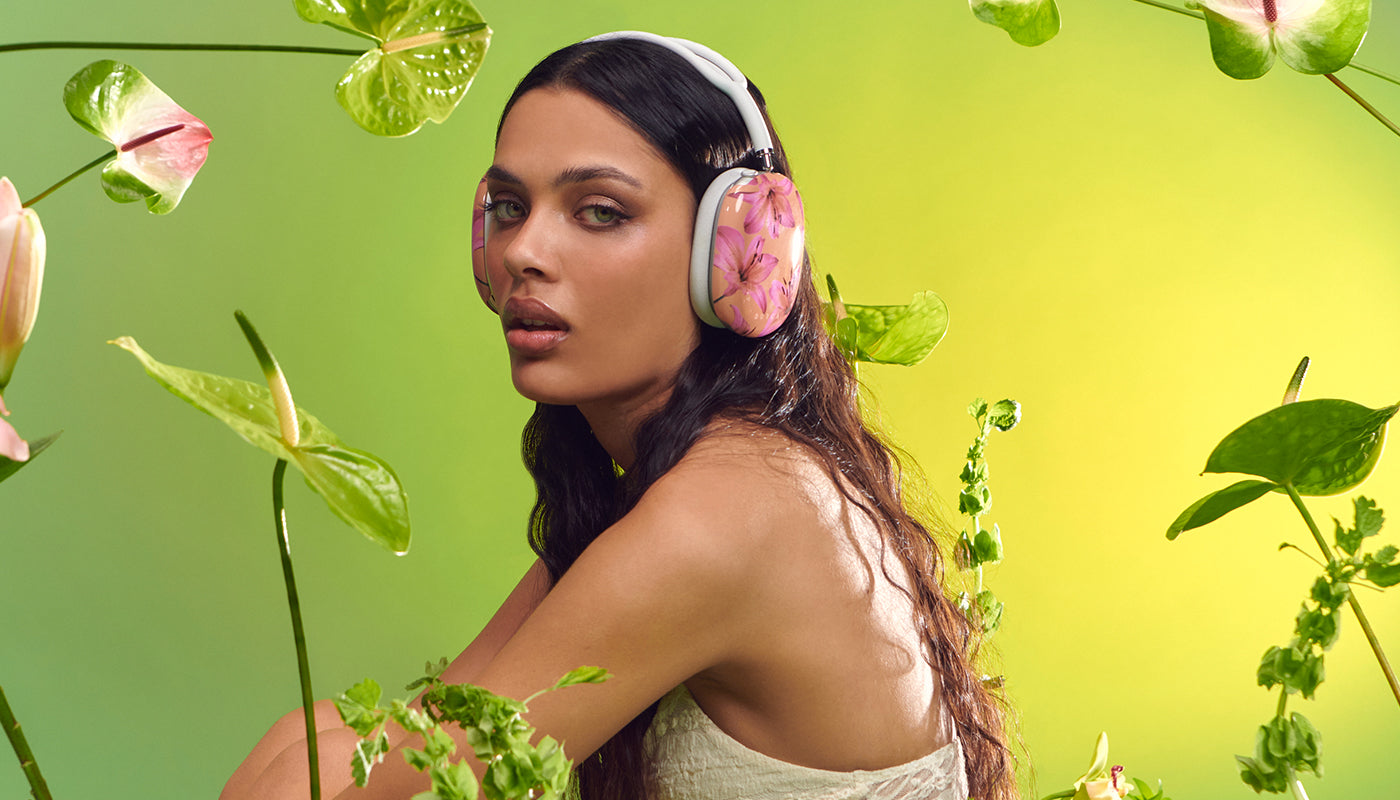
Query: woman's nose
{"type": "Point", "coordinates": [530, 248]}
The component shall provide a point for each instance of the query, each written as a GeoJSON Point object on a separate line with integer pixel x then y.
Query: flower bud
{"type": "Point", "coordinates": [22, 248]}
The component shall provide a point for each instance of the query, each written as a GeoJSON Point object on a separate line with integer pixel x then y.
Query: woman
{"type": "Point", "coordinates": [715, 524]}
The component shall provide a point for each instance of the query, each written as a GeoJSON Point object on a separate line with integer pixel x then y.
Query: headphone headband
{"type": "Point", "coordinates": [719, 71]}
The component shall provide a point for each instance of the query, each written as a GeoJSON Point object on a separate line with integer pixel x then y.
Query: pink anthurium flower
{"type": "Point", "coordinates": [11, 446]}
{"type": "Point", "coordinates": [22, 246]}
{"type": "Point", "coordinates": [1311, 36]}
{"type": "Point", "coordinates": [160, 146]}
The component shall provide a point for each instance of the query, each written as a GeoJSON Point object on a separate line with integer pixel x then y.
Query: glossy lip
{"type": "Point", "coordinates": [527, 341]}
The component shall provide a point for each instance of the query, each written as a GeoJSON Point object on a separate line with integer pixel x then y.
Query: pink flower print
{"type": "Point", "coordinates": [771, 197]}
{"type": "Point", "coordinates": [744, 268]}
{"type": "Point", "coordinates": [479, 231]}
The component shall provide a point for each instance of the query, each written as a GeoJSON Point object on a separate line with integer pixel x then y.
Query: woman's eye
{"type": "Point", "coordinates": [505, 210]}
{"type": "Point", "coordinates": [602, 215]}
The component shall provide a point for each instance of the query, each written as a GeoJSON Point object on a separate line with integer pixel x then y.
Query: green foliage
{"type": "Point", "coordinates": [980, 547]}
{"type": "Point", "coordinates": [1321, 447]}
{"type": "Point", "coordinates": [427, 53]}
{"type": "Point", "coordinates": [1217, 504]}
{"type": "Point", "coordinates": [1027, 22]}
{"type": "Point", "coordinates": [902, 335]}
{"type": "Point", "coordinates": [1283, 746]}
{"type": "Point", "coordinates": [359, 487]}
{"type": "Point", "coordinates": [494, 728]}
{"type": "Point", "coordinates": [9, 467]}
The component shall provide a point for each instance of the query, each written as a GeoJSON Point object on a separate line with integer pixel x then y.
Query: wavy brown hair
{"type": "Point", "coordinates": [794, 380]}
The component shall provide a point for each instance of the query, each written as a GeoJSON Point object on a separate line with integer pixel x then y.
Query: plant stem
{"type": "Point", "coordinates": [84, 168]}
{"type": "Point", "coordinates": [1296, 785]}
{"type": "Point", "coordinates": [284, 547]}
{"type": "Point", "coordinates": [1351, 596]}
{"type": "Point", "coordinates": [1375, 73]}
{"type": "Point", "coordinates": [1370, 109]}
{"type": "Point", "coordinates": [1170, 7]}
{"type": "Point", "coordinates": [27, 763]}
{"type": "Point", "coordinates": [258, 48]}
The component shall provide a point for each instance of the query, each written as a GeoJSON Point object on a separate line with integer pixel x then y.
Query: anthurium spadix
{"type": "Point", "coordinates": [1027, 22]}
{"type": "Point", "coordinates": [427, 53]}
{"type": "Point", "coordinates": [360, 488]}
{"type": "Point", "coordinates": [1311, 36]}
{"type": "Point", "coordinates": [160, 146]}
{"type": "Point", "coordinates": [22, 246]}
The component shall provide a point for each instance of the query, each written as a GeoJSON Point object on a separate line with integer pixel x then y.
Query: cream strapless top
{"type": "Point", "coordinates": [692, 759]}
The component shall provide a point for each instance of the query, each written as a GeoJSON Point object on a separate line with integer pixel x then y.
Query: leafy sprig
{"type": "Point", "coordinates": [980, 546]}
{"type": "Point", "coordinates": [494, 727]}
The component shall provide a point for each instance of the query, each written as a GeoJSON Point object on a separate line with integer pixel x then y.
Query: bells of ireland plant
{"type": "Point", "coordinates": [159, 145]}
{"type": "Point", "coordinates": [22, 247]}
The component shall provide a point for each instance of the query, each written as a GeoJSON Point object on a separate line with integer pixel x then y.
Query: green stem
{"type": "Point", "coordinates": [222, 48]}
{"type": "Point", "coordinates": [84, 168]}
{"type": "Point", "coordinates": [1170, 7]}
{"type": "Point", "coordinates": [1351, 596]}
{"type": "Point", "coordinates": [1370, 109]}
{"type": "Point", "coordinates": [284, 547]}
{"type": "Point", "coordinates": [1296, 785]}
{"type": "Point", "coordinates": [1282, 701]}
{"type": "Point", "coordinates": [1375, 73]}
{"type": "Point", "coordinates": [37, 786]}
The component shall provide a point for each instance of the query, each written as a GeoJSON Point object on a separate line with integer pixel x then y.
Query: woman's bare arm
{"type": "Point", "coordinates": [288, 735]}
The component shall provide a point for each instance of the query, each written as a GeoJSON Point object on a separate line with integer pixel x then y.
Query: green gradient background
{"type": "Point", "coordinates": [1133, 245]}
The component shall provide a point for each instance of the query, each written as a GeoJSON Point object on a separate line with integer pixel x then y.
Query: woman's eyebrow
{"type": "Point", "coordinates": [570, 175]}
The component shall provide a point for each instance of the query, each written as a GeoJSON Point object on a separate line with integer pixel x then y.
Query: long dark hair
{"type": "Point", "coordinates": [794, 380]}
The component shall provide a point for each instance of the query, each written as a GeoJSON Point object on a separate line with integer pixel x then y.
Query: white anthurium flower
{"type": "Point", "coordinates": [160, 146]}
{"type": "Point", "coordinates": [1311, 36]}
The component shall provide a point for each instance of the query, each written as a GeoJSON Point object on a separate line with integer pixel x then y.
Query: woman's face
{"type": "Point", "coordinates": [588, 255]}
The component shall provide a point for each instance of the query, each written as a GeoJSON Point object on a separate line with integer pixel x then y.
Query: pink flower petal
{"type": "Point", "coordinates": [9, 199]}
{"type": "Point", "coordinates": [11, 446]}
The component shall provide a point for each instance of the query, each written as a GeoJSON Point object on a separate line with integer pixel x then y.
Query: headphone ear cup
{"type": "Point", "coordinates": [483, 284]}
{"type": "Point", "coordinates": [753, 231]}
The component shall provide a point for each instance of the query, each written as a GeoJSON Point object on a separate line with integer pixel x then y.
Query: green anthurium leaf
{"type": "Point", "coordinates": [245, 407]}
{"type": "Point", "coordinates": [427, 55]}
{"type": "Point", "coordinates": [1027, 22]}
{"type": "Point", "coordinates": [900, 334]}
{"type": "Point", "coordinates": [1217, 504]}
{"type": "Point", "coordinates": [9, 467]}
{"type": "Point", "coordinates": [1322, 447]}
{"type": "Point", "coordinates": [361, 489]}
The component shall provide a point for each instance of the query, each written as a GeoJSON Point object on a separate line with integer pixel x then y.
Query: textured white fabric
{"type": "Point", "coordinates": [694, 760]}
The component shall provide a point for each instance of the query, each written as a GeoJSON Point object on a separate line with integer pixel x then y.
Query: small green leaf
{"type": "Point", "coordinates": [1383, 574]}
{"type": "Point", "coordinates": [1217, 504]}
{"type": "Point", "coordinates": [359, 707]}
{"type": "Point", "coordinates": [977, 409]}
{"type": "Point", "coordinates": [1027, 22]}
{"type": "Point", "coordinates": [1004, 414]}
{"type": "Point", "coordinates": [987, 548]}
{"type": "Point", "coordinates": [899, 334]}
{"type": "Point", "coordinates": [429, 51]}
{"type": "Point", "coordinates": [582, 675]}
{"type": "Point", "coordinates": [1307, 753]}
{"type": "Point", "coordinates": [1322, 447]}
{"type": "Point", "coordinates": [9, 467]}
{"type": "Point", "coordinates": [368, 753]}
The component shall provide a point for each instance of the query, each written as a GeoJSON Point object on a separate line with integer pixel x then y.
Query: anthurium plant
{"type": "Point", "coordinates": [359, 487]}
{"type": "Point", "coordinates": [1306, 449]}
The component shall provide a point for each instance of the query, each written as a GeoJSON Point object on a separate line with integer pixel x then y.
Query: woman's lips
{"type": "Point", "coordinates": [532, 327]}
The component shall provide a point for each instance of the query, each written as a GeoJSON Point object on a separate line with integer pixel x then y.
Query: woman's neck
{"type": "Point", "coordinates": [614, 424]}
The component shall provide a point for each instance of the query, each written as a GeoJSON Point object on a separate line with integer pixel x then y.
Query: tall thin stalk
{"type": "Point", "coordinates": [27, 763]}
{"type": "Point", "coordinates": [1351, 596]}
{"type": "Point", "coordinates": [284, 548]}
